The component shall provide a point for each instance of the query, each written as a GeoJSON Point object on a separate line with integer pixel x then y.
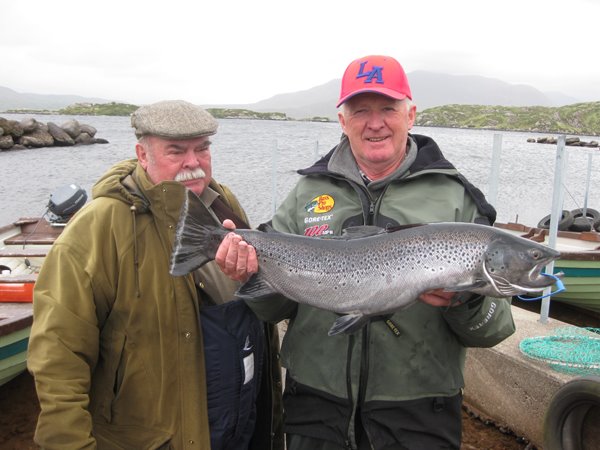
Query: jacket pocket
{"type": "Point", "coordinates": [107, 378]}
{"type": "Point", "coordinates": [127, 437]}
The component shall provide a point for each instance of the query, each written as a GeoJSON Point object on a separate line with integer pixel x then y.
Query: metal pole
{"type": "Point", "coordinates": [495, 170]}
{"type": "Point", "coordinates": [275, 163]}
{"type": "Point", "coordinates": [556, 215]}
{"type": "Point", "coordinates": [587, 185]}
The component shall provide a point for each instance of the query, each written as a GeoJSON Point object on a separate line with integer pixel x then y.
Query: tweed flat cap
{"type": "Point", "coordinates": [173, 119]}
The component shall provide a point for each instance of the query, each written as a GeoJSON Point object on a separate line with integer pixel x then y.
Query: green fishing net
{"type": "Point", "coordinates": [572, 350]}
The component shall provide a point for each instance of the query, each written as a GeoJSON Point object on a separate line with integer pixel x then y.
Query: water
{"type": "Point", "coordinates": [258, 159]}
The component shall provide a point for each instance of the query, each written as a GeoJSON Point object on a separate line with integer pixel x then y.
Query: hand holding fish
{"type": "Point", "coordinates": [439, 297]}
{"type": "Point", "coordinates": [235, 257]}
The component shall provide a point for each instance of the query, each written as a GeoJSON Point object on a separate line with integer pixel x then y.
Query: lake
{"type": "Point", "coordinates": [257, 160]}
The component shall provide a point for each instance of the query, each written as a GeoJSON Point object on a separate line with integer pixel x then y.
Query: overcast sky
{"type": "Point", "coordinates": [230, 51]}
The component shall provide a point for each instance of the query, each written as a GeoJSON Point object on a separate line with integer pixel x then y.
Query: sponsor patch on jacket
{"type": "Point", "coordinates": [320, 204]}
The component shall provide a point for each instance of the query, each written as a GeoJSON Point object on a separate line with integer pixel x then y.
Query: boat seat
{"type": "Point", "coordinates": [31, 239]}
{"type": "Point", "coordinates": [25, 278]}
{"type": "Point", "coordinates": [12, 252]}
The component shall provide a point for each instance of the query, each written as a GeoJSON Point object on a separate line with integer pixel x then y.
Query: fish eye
{"type": "Point", "coordinates": [535, 254]}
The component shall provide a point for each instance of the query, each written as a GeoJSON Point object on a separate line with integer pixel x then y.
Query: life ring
{"type": "Point", "coordinates": [566, 220]}
{"type": "Point", "coordinates": [588, 222]}
{"type": "Point", "coordinates": [572, 419]}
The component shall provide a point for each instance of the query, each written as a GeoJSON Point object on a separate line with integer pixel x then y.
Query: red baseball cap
{"type": "Point", "coordinates": [379, 74]}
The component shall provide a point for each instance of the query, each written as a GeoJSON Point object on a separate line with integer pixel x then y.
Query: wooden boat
{"type": "Point", "coordinates": [579, 261]}
{"type": "Point", "coordinates": [23, 246]}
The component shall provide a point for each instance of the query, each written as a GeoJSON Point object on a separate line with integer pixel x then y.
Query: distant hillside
{"type": "Point", "coordinates": [10, 99]}
{"type": "Point", "coordinates": [579, 118]}
{"type": "Point", "coordinates": [429, 89]}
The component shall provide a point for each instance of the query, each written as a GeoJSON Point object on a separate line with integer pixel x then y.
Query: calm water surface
{"type": "Point", "coordinates": [258, 159]}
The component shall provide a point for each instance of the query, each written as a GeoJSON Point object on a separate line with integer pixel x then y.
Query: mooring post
{"type": "Point", "coordinates": [274, 164]}
{"type": "Point", "coordinates": [495, 170]}
{"type": "Point", "coordinates": [555, 217]}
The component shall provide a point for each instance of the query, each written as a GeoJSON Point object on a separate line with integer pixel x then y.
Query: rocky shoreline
{"type": "Point", "coordinates": [570, 141]}
{"type": "Point", "coordinates": [30, 133]}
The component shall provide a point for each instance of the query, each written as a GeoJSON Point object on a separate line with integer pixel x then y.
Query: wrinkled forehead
{"type": "Point", "coordinates": [371, 99]}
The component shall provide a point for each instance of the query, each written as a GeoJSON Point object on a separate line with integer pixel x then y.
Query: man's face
{"type": "Point", "coordinates": [185, 160]}
{"type": "Point", "coordinates": [377, 128]}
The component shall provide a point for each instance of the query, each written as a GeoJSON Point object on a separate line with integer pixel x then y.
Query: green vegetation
{"type": "Point", "coordinates": [225, 113]}
{"type": "Point", "coordinates": [98, 109]}
{"type": "Point", "coordinates": [579, 118]}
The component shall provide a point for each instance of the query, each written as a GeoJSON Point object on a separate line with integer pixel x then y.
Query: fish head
{"type": "Point", "coordinates": [514, 265]}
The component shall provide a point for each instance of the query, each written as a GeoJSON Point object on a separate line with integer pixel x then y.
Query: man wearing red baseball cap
{"type": "Point", "coordinates": [394, 382]}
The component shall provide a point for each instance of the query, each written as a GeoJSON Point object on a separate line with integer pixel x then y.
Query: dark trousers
{"type": "Point", "coordinates": [424, 424]}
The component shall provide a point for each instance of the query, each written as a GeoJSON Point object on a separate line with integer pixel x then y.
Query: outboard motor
{"type": "Point", "coordinates": [64, 202]}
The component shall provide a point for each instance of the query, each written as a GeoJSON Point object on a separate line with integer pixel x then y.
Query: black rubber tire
{"type": "Point", "coordinates": [592, 217]}
{"type": "Point", "coordinates": [589, 212]}
{"type": "Point", "coordinates": [566, 220]}
{"type": "Point", "coordinates": [581, 224]}
{"type": "Point", "coordinates": [572, 419]}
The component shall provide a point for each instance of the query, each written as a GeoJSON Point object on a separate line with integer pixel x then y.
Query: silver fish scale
{"type": "Point", "coordinates": [347, 275]}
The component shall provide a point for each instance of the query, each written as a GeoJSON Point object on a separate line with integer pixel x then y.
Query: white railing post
{"type": "Point", "coordinates": [495, 170]}
{"type": "Point", "coordinates": [555, 217]}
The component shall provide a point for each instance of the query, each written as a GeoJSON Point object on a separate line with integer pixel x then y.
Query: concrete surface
{"type": "Point", "coordinates": [513, 390]}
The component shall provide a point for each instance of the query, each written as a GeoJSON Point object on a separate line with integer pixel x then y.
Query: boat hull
{"type": "Point", "coordinates": [13, 354]}
{"type": "Point", "coordinates": [15, 326]}
{"type": "Point", "coordinates": [579, 261]}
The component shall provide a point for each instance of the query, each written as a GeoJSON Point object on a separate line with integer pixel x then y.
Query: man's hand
{"type": "Point", "coordinates": [438, 297]}
{"type": "Point", "coordinates": [235, 257]}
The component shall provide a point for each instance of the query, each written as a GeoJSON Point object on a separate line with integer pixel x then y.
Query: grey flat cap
{"type": "Point", "coordinates": [173, 119]}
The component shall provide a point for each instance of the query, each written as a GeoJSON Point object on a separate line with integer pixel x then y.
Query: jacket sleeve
{"type": "Point", "coordinates": [482, 321]}
{"type": "Point", "coordinates": [63, 350]}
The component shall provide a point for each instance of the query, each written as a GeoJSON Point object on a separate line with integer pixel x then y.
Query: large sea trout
{"type": "Point", "coordinates": [371, 271]}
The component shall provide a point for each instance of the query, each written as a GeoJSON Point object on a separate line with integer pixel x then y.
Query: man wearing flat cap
{"type": "Point", "coordinates": [127, 356]}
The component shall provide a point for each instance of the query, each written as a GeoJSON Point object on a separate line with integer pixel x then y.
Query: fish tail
{"type": "Point", "coordinates": [197, 237]}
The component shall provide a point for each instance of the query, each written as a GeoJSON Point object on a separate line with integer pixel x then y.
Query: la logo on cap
{"type": "Point", "coordinates": [376, 71]}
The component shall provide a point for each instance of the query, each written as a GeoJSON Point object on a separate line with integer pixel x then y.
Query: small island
{"type": "Point", "coordinates": [576, 119]}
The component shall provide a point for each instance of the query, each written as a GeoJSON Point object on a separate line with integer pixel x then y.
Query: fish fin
{"type": "Point", "coordinates": [197, 237]}
{"type": "Point", "coordinates": [393, 229]}
{"type": "Point", "coordinates": [267, 228]}
{"type": "Point", "coordinates": [255, 287]}
{"type": "Point", "coordinates": [467, 286]}
{"type": "Point", "coordinates": [348, 323]}
{"type": "Point", "coordinates": [361, 231]}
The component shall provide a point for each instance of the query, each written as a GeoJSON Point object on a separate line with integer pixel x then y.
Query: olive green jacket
{"type": "Point", "coordinates": [116, 347]}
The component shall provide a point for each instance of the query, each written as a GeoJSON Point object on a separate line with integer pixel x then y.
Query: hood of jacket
{"type": "Point", "coordinates": [118, 183]}
{"type": "Point", "coordinates": [423, 155]}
